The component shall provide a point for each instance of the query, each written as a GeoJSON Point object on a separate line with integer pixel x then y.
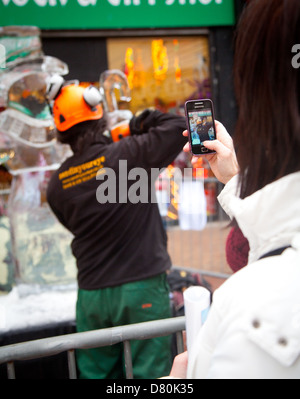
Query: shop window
{"type": "Point", "coordinates": [162, 73]}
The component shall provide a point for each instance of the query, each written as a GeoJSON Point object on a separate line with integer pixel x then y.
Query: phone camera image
{"type": "Point", "coordinates": [201, 126]}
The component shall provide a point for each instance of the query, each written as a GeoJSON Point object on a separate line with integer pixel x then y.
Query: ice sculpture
{"type": "Point", "coordinates": [40, 244]}
{"type": "Point", "coordinates": [111, 81]}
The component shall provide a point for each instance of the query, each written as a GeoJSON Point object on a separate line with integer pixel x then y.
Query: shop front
{"type": "Point", "coordinates": [170, 50]}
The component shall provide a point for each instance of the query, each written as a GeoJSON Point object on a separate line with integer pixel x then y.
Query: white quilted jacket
{"type": "Point", "coordinates": [253, 328]}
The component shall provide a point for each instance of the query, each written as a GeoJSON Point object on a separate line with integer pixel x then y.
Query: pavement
{"type": "Point", "coordinates": [202, 251]}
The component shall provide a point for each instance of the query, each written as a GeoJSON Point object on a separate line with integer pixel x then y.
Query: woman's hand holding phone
{"type": "Point", "coordinates": [223, 162]}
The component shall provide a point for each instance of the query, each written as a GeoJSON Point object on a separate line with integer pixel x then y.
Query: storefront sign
{"type": "Point", "coordinates": [116, 14]}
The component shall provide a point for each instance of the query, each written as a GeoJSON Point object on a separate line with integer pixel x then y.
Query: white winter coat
{"type": "Point", "coordinates": [253, 327]}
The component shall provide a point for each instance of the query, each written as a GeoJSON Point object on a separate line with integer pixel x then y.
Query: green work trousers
{"type": "Point", "coordinates": [129, 303]}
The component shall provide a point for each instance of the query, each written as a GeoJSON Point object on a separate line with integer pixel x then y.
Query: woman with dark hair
{"type": "Point", "coordinates": [253, 328]}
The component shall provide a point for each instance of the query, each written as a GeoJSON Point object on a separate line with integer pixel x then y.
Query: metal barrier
{"type": "Point", "coordinates": [92, 339]}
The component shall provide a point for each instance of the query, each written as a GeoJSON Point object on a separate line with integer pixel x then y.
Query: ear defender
{"type": "Point", "coordinates": [92, 96]}
{"type": "Point", "coordinates": [54, 86]}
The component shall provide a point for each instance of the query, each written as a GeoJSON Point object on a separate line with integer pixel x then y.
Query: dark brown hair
{"type": "Point", "coordinates": [267, 136]}
{"type": "Point", "coordinates": [82, 135]}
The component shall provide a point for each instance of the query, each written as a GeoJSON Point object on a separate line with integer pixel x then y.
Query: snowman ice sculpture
{"type": "Point", "coordinates": [40, 245]}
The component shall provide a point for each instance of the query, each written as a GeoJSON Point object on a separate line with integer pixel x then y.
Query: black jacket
{"type": "Point", "coordinates": [123, 241]}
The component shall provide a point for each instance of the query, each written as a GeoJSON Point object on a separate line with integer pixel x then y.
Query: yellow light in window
{"type": "Point", "coordinates": [159, 59]}
{"type": "Point", "coordinates": [129, 66]}
{"type": "Point", "coordinates": [176, 61]}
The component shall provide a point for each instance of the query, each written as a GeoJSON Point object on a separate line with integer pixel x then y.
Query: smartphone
{"type": "Point", "coordinates": [200, 125]}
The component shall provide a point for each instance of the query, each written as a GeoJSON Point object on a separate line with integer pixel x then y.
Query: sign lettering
{"type": "Point", "coordinates": [111, 14]}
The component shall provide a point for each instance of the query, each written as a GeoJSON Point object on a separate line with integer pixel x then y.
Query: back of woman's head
{"type": "Point", "coordinates": [267, 136]}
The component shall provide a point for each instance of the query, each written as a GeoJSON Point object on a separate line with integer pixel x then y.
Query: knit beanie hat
{"type": "Point", "coordinates": [237, 249]}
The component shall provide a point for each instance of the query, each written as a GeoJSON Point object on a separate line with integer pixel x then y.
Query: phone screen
{"type": "Point", "coordinates": [201, 125]}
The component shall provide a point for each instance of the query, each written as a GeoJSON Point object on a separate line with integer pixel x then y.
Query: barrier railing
{"type": "Point", "coordinates": [92, 339]}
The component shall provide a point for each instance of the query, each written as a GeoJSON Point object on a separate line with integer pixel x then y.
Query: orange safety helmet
{"type": "Point", "coordinates": [75, 104]}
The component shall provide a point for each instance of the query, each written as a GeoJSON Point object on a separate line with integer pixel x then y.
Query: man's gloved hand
{"type": "Point", "coordinates": [144, 121]}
